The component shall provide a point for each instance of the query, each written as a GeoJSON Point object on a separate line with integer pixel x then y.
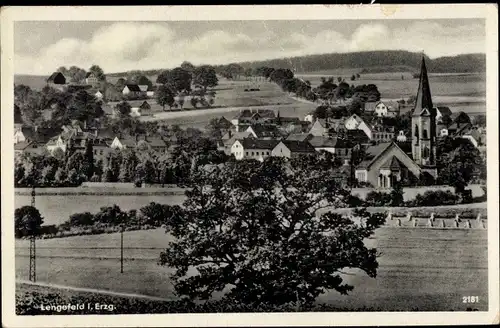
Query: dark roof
{"type": "Point", "coordinates": [299, 136]}
{"type": "Point", "coordinates": [297, 146]}
{"type": "Point", "coordinates": [133, 87]}
{"type": "Point", "coordinates": [265, 130]}
{"type": "Point", "coordinates": [145, 105]}
{"type": "Point", "coordinates": [251, 143]}
{"type": "Point", "coordinates": [392, 163]}
{"type": "Point", "coordinates": [318, 142]}
{"type": "Point", "coordinates": [22, 145]}
{"type": "Point", "coordinates": [56, 75]}
{"type": "Point", "coordinates": [247, 113]}
{"type": "Point", "coordinates": [445, 111]}
{"type": "Point", "coordinates": [424, 99]}
{"type": "Point", "coordinates": [357, 136]}
{"type": "Point", "coordinates": [460, 117]}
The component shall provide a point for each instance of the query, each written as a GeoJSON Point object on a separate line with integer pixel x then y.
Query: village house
{"type": "Point", "coordinates": [91, 78]}
{"type": "Point", "coordinates": [229, 138]}
{"type": "Point", "coordinates": [341, 148]}
{"type": "Point", "coordinates": [132, 90]}
{"type": "Point", "coordinates": [382, 135]}
{"type": "Point", "coordinates": [154, 143]}
{"type": "Point", "coordinates": [251, 148]}
{"type": "Point", "coordinates": [309, 117]}
{"type": "Point", "coordinates": [264, 131]}
{"type": "Point", "coordinates": [145, 109]}
{"type": "Point", "coordinates": [29, 148]}
{"type": "Point", "coordinates": [250, 116]}
{"type": "Point", "coordinates": [320, 127]}
{"type": "Point", "coordinates": [292, 149]}
{"type": "Point", "coordinates": [442, 111]}
{"type": "Point", "coordinates": [386, 109]}
{"type": "Point", "coordinates": [355, 122]}
{"type": "Point", "coordinates": [99, 95]}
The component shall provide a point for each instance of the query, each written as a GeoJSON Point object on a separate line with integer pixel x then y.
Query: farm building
{"type": "Point", "coordinates": [292, 148]}
{"type": "Point", "coordinates": [56, 79]}
{"type": "Point", "coordinates": [91, 78]}
{"type": "Point", "coordinates": [250, 148]}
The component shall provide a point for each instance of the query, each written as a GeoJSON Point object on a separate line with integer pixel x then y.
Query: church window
{"type": "Point", "coordinates": [425, 135]}
{"type": "Point", "coordinates": [416, 132]}
{"type": "Point", "coordinates": [425, 152]}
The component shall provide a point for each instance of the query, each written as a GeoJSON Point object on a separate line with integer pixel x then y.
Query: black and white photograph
{"type": "Point", "coordinates": [250, 164]}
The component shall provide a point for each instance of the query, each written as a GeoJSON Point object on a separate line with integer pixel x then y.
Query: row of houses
{"type": "Point", "coordinates": [58, 81]}
{"type": "Point", "coordinates": [34, 141]}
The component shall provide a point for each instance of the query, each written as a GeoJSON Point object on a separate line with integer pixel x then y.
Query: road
{"type": "Point", "coordinates": [221, 110]}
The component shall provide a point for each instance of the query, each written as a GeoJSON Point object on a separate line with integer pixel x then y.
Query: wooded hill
{"type": "Point", "coordinates": [377, 61]}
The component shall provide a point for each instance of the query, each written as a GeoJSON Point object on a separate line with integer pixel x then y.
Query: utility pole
{"type": "Point", "coordinates": [32, 270]}
{"type": "Point", "coordinates": [121, 249]}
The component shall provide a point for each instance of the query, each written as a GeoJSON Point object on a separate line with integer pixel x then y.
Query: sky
{"type": "Point", "coordinates": [43, 46]}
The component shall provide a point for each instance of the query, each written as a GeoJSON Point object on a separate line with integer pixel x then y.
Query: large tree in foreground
{"type": "Point", "coordinates": [253, 228]}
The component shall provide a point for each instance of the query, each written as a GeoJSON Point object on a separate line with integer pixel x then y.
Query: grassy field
{"type": "Point", "coordinates": [420, 269]}
{"type": "Point", "coordinates": [57, 208]}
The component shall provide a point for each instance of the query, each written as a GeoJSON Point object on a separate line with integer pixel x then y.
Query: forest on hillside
{"type": "Point", "coordinates": [366, 62]}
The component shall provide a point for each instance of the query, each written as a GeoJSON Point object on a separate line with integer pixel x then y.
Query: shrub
{"type": "Point", "coordinates": [434, 198]}
{"type": "Point", "coordinates": [375, 198]}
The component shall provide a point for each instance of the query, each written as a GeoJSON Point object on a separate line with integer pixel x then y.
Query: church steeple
{"type": "Point", "coordinates": [424, 99]}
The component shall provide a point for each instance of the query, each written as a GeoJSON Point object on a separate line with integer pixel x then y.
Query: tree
{"type": "Point", "coordinates": [256, 229]}
{"type": "Point", "coordinates": [397, 195]}
{"type": "Point", "coordinates": [156, 214]}
{"type": "Point", "coordinates": [89, 160]}
{"type": "Point", "coordinates": [205, 77]}
{"type": "Point", "coordinates": [98, 72]}
{"type": "Point", "coordinates": [187, 66]}
{"type": "Point", "coordinates": [19, 172]}
{"type": "Point", "coordinates": [165, 96]}
{"type": "Point", "coordinates": [460, 165]}
{"type": "Point", "coordinates": [81, 219]}
{"type": "Point", "coordinates": [123, 109]}
{"type": "Point", "coordinates": [143, 80]}
{"type": "Point", "coordinates": [353, 77]}
{"type": "Point", "coordinates": [27, 221]}
{"type": "Point", "coordinates": [76, 74]}
{"type": "Point", "coordinates": [178, 79]}
{"type": "Point", "coordinates": [480, 120]}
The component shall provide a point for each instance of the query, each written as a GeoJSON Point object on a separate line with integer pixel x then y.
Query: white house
{"type": "Point", "coordinates": [401, 137]}
{"type": "Point", "coordinates": [143, 87]}
{"type": "Point", "coordinates": [135, 112]}
{"type": "Point", "coordinates": [56, 143]}
{"type": "Point", "coordinates": [443, 132]}
{"type": "Point", "coordinates": [98, 95]}
{"type": "Point", "coordinates": [91, 78]}
{"type": "Point", "coordinates": [131, 89]}
{"type": "Point", "coordinates": [309, 118]}
{"type": "Point", "coordinates": [116, 144]}
{"type": "Point", "coordinates": [354, 122]}
{"type": "Point", "coordinates": [253, 148]}
{"type": "Point", "coordinates": [385, 108]}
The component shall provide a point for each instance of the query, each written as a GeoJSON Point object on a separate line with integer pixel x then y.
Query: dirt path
{"type": "Point", "coordinates": [91, 290]}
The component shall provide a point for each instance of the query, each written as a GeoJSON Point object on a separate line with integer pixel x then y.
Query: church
{"type": "Point", "coordinates": [386, 163]}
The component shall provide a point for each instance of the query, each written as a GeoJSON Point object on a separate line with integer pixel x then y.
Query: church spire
{"type": "Point", "coordinates": [424, 99]}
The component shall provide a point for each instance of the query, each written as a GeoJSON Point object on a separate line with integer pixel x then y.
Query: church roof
{"type": "Point", "coordinates": [392, 163]}
{"type": "Point", "coordinates": [424, 99]}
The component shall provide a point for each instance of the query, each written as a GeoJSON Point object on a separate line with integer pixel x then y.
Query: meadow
{"type": "Point", "coordinates": [420, 269]}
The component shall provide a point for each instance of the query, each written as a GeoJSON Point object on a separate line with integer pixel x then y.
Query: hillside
{"type": "Point", "coordinates": [377, 62]}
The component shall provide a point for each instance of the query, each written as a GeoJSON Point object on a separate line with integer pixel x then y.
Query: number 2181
{"type": "Point", "coordinates": [470, 299]}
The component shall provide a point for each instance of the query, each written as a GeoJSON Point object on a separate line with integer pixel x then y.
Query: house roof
{"type": "Point", "coordinates": [265, 130]}
{"type": "Point", "coordinates": [54, 75]}
{"type": "Point", "coordinates": [299, 136]}
{"type": "Point", "coordinates": [145, 105]}
{"type": "Point", "coordinates": [357, 135]}
{"type": "Point", "coordinates": [236, 135]}
{"type": "Point", "coordinates": [445, 111]}
{"type": "Point", "coordinates": [251, 143]}
{"type": "Point", "coordinates": [370, 106]}
{"type": "Point", "coordinates": [247, 113]}
{"type": "Point", "coordinates": [297, 146]}
{"type": "Point", "coordinates": [324, 142]}
{"type": "Point", "coordinates": [133, 87]}
{"type": "Point", "coordinates": [88, 74]}
{"type": "Point", "coordinates": [22, 145]}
